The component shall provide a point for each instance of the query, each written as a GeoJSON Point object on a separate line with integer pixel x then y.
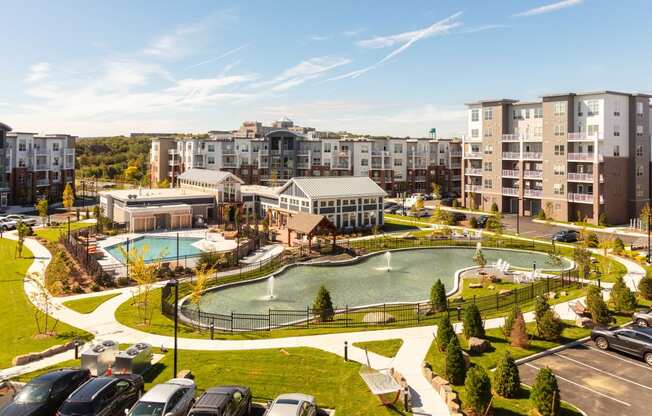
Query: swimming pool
{"type": "Point", "coordinates": [155, 248]}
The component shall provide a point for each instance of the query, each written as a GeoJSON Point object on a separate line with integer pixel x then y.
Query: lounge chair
{"type": "Point", "coordinates": [579, 308]}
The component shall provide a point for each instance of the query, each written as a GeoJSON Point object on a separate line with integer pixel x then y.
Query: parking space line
{"type": "Point", "coordinates": [627, 360]}
{"type": "Point", "coordinates": [584, 387]}
{"type": "Point", "coordinates": [602, 371]}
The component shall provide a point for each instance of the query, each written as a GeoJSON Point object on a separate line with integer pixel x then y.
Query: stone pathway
{"type": "Point", "coordinates": [416, 340]}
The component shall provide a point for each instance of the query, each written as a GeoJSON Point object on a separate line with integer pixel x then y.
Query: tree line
{"type": "Point", "coordinates": [114, 158]}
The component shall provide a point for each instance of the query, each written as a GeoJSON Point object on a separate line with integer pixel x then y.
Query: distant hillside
{"type": "Point", "coordinates": [109, 157]}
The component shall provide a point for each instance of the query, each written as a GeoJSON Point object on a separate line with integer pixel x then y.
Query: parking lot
{"type": "Point", "coordinates": [598, 382]}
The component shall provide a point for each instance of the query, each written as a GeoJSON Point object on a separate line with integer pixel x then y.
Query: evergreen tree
{"type": "Point", "coordinates": [623, 299]}
{"type": "Point", "coordinates": [438, 297]}
{"type": "Point", "coordinates": [473, 326]}
{"type": "Point", "coordinates": [540, 308]}
{"type": "Point", "coordinates": [494, 208]}
{"type": "Point", "coordinates": [445, 332]}
{"type": "Point", "coordinates": [68, 196]}
{"type": "Point", "coordinates": [545, 393]}
{"type": "Point", "coordinates": [645, 288]}
{"type": "Point", "coordinates": [323, 305]}
{"type": "Point", "coordinates": [509, 321]}
{"type": "Point", "coordinates": [550, 326]}
{"type": "Point", "coordinates": [518, 337]}
{"type": "Point", "coordinates": [600, 313]}
{"type": "Point", "coordinates": [478, 390]}
{"type": "Point", "coordinates": [619, 246]}
{"type": "Point", "coordinates": [593, 295]}
{"type": "Point", "coordinates": [455, 365]}
{"type": "Point", "coordinates": [507, 381]}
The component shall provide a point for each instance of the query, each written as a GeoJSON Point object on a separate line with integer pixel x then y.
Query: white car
{"type": "Point", "coordinates": [26, 220]}
{"type": "Point", "coordinates": [172, 398]}
{"type": "Point", "coordinates": [292, 404]}
{"type": "Point", "coordinates": [7, 224]}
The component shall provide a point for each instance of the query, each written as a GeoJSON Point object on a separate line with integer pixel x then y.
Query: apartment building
{"type": "Point", "coordinates": [272, 155]}
{"type": "Point", "coordinates": [4, 184]}
{"type": "Point", "coordinates": [37, 166]}
{"type": "Point", "coordinates": [574, 155]}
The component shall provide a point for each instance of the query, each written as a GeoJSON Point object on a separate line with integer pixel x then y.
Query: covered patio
{"type": "Point", "coordinates": [309, 225]}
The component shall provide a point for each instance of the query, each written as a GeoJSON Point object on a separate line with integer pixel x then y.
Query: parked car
{"type": "Point", "coordinates": [25, 219]}
{"type": "Point", "coordinates": [458, 216]}
{"type": "Point", "coordinates": [392, 209]}
{"type": "Point", "coordinates": [643, 318]}
{"type": "Point", "coordinates": [43, 395]}
{"type": "Point", "coordinates": [7, 224]}
{"type": "Point", "coordinates": [565, 236]}
{"type": "Point", "coordinates": [418, 213]}
{"type": "Point", "coordinates": [172, 398]}
{"type": "Point", "coordinates": [292, 404]}
{"type": "Point", "coordinates": [223, 401]}
{"type": "Point", "coordinates": [634, 341]}
{"type": "Point", "coordinates": [447, 202]}
{"type": "Point", "coordinates": [481, 221]}
{"type": "Point", "coordinates": [104, 396]}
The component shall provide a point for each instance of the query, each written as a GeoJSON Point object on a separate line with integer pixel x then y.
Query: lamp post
{"type": "Point", "coordinates": [177, 251]}
{"type": "Point", "coordinates": [127, 258]}
{"type": "Point", "coordinates": [518, 209]}
{"type": "Point", "coordinates": [175, 283]}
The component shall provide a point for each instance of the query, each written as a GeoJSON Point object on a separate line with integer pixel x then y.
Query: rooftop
{"type": "Point", "coordinates": [154, 194]}
{"type": "Point", "coordinates": [208, 176]}
{"type": "Point", "coordinates": [336, 186]}
{"type": "Point", "coordinates": [271, 191]}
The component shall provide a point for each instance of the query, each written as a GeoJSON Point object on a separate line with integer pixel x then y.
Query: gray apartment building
{"type": "Point", "coordinates": [574, 155]}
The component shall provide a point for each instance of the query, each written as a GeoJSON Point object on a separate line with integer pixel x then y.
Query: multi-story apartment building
{"type": "Point", "coordinates": [4, 184]}
{"type": "Point", "coordinates": [37, 166]}
{"type": "Point", "coordinates": [574, 155]}
{"type": "Point", "coordinates": [272, 155]}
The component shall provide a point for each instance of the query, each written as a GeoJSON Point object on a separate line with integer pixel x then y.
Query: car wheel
{"type": "Point", "coordinates": [641, 322]}
{"type": "Point", "coordinates": [602, 343]}
{"type": "Point", "coordinates": [648, 358]}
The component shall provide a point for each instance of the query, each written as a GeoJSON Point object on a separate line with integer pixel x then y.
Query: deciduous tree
{"type": "Point", "coordinates": [68, 196]}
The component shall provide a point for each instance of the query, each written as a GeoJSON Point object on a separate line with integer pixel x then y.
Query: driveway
{"type": "Point", "coordinates": [598, 382]}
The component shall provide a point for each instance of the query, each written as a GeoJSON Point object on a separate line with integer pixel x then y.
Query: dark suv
{"type": "Point", "coordinates": [223, 401]}
{"type": "Point", "coordinates": [43, 395]}
{"type": "Point", "coordinates": [104, 396]}
{"type": "Point", "coordinates": [565, 236]}
{"type": "Point", "coordinates": [634, 341]}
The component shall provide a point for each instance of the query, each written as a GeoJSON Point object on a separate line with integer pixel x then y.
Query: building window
{"type": "Point", "coordinates": [616, 108]}
{"type": "Point", "coordinates": [593, 129]}
{"type": "Point", "coordinates": [616, 150]}
{"type": "Point", "coordinates": [211, 160]}
{"type": "Point", "coordinates": [527, 113]}
{"type": "Point", "coordinates": [488, 132]}
{"type": "Point", "coordinates": [211, 147]}
{"type": "Point", "coordinates": [594, 107]}
{"type": "Point", "coordinates": [55, 147]}
{"type": "Point", "coordinates": [639, 150]}
{"type": "Point", "coordinates": [639, 130]}
{"type": "Point", "coordinates": [398, 162]}
{"type": "Point", "coordinates": [559, 150]}
{"type": "Point", "coordinates": [488, 184]}
{"type": "Point", "coordinates": [538, 112]}
{"type": "Point", "coordinates": [560, 108]}
{"type": "Point", "coordinates": [475, 133]}
{"type": "Point", "coordinates": [579, 109]}
{"type": "Point", "coordinates": [364, 149]}
{"type": "Point", "coordinates": [559, 170]}
{"type": "Point", "coordinates": [398, 148]}
{"type": "Point", "coordinates": [488, 114]}
{"type": "Point", "coordinates": [327, 147]}
{"type": "Point", "coordinates": [475, 115]}
{"type": "Point", "coordinates": [640, 171]}
{"type": "Point", "coordinates": [55, 161]}
{"type": "Point", "coordinates": [639, 109]}
{"type": "Point", "coordinates": [559, 130]}
{"type": "Point", "coordinates": [558, 188]}
{"type": "Point", "coordinates": [364, 162]}
{"type": "Point", "coordinates": [22, 146]}
{"type": "Point", "coordinates": [488, 166]}
{"type": "Point", "coordinates": [488, 149]}
{"type": "Point", "coordinates": [616, 130]}
{"type": "Point", "coordinates": [538, 131]}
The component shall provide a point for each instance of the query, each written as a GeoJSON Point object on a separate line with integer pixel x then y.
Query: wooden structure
{"type": "Point", "coordinates": [309, 225]}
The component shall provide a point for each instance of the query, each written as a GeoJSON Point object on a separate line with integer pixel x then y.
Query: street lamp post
{"type": "Point", "coordinates": [518, 208]}
{"type": "Point", "coordinates": [175, 283]}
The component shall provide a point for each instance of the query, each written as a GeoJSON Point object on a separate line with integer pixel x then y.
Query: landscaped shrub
{"type": "Point", "coordinates": [593, 295]}
{"type": "Point", "coordinates": [438, 297]}
{"type": "Point", "coordinates": [445, 332]}
{"type": "Point", "coordinates": [645, 288]}
{"type": "Point", "coordinates": [494, 207]}
{"type": "Point", "coordinates": [473, 326]}
{"type": "Point", "coordinates": [479, 258]}
{"type": "Point", "coordinates": [550, 326]}
{"type": "Point", "coordinates": [323, 305]}
{"type": "Point", "coordinates": [597, 306]}
{"type": "Point", "coordinates": [592, 239]}
{"type": "Point", "coordinates": [455, 203]}
{"type": "Point", "coordinates": [455, 365]}
{"type": "Point", "coordinates": [473, 222]}
{"type": "Point", "coordinates": [623, 299]}
{"type": "Point", "coordinates": [507, 380]}
{"type": "Point", "coordinates": [518, 337]}
{"type": "Point", "coordinates": [545, 393]}
{"type": "Point", "coordinates": [541, 306]}
{"type": "Point", "coordinates": [509, 321]}
{"type": "Point", "coordinates": [541, 215]}
{"type": "Point", "coordinates": [478, 390]}
{"type": "Point", "coordinates": [619, 246]}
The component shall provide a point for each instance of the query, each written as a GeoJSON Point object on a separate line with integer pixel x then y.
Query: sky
{"type": "Point", "coordinates": [93, 68]}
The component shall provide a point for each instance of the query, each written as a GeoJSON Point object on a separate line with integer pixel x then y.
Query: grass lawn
{"type": "Point", "coordinates": [88, 305]}
{"type": "Point", "coordinates": [17, 325]}
{"type": "Point", "coordinates": [488, 360]}
{"type": "Point", "coordinates": [53, 233]}
{"type": "Point", "coordinates": [387, 347]}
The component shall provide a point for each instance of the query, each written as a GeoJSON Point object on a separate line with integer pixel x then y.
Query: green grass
{"type": "Point", "coordinates": [53, 232]}
{"type": "Point", "coordinates": [89, 304]}
{"type": "Point", "coordinates": [488, 360]}
{"type": "Point", "coordinates": [387, 348]}
{"type": "Point", "coordinates": [17, 326]}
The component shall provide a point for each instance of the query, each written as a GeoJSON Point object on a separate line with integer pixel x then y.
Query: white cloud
{"type": "Point", "coordinates": [549, 8]}
{"type": "Point", "coordinates": [483, 28]}
{"type": "Point", "coordinates": [219, 57]}
{"type": "Point", "coordinates": [172, 44]}
{"type": "Point", "coordinates": [351, 33]}
{"type": "Point", "coordinates": [302, 72]}
{"type": "Point", "coordinates": [319, 37]}
{"type": "Point", "coordinates": [38, 72]}
{"type": "Point", "coordinates": [440, 27]}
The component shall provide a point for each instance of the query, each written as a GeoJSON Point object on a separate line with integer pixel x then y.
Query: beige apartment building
{"type": "Point", "coordinates": [574, 155]}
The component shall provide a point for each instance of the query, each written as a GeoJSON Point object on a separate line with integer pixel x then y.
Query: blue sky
{"type": "Point", "coordinates": [377, 67]}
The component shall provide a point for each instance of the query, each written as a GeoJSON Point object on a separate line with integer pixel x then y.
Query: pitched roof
{"type": "Point", "coordinates": [209, 176]}
{"type": "Point", "coordinates": [336, 186]}
{"type": "Point", "coordinates": [307, 223]}
{"type": "Point", "coordinates": [4, 127]}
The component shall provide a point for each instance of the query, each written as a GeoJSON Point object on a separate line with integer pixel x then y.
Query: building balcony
{"type": "Point", "coordinates": [456, 177]}
{"type": "Point", "coordinates": [456, 165]}
{"type": "Point", "coordinates": [584, 136]}
{"type": "Point", "coordinates": [533, 193]}
{"type": "Point", "coordinates": [532, 174]}
{"type": "Point", "coordinates": [473, 171]}
{"type": "Point", "coordinates": [473, 155]}
{"type": "Point", "coordinates": [457, 153]}
{"type": "Point", "coordinates": [43, 182]}
{"type": "Point", "coordinates": [379, 153]}
{"type": "Point", "coordinates": [581, 157]}
{"type": "Point", "coordinates": [511, 155]}
{"type": "Point", "coordinates": [580, 177]}
{"type": "Point", "coordinates": [69, 152]}
{"type": "Point", "coordinates": [41, 167]}
{"type": "Point", "coordinates": [511, 137]}
{"type": "Point", "coordinates": [173, 152]}
{"type": "Point", "coordinates": [532, 155]}
{"type": "Point", "coordinates": [473, 188]}
{"type": "Point", "coordinates": [510, 191]}
{"type": "Point", "coordinates": [583, 198]}
{"type": "Point", "coordinates": [510, 173]}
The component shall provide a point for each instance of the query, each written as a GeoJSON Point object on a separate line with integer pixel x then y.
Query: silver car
{"type": "Point", "coordinates": [292, 404]}
{"type": "Point", "coordinates": [25, 219]}
{"type": "Point", "coordinates": [172, 398]}
{"type": "Point", "coordinates": [643, 317]}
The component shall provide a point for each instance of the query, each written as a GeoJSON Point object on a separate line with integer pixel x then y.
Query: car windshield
{"type": "Point", "coordinates": [147, 409]}
{"type": "Point", "coordinates": [34, 393]}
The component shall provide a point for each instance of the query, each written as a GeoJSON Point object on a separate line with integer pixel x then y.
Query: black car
{"type": "Point", "coordinates": [392, 209]}
{"type": "Point", "coordinates": [223, 401]}
{"type": "Point", "coordinates": [104, 396]}
{"type": "Point", "coordinates": [447, 202]}
{"type": "Point", "coordinates": [481, 221]}
{"type": "Point", "coordinates": [43, 395]}
{"type": "Point", "coordinates": [565, 236]}
{"type": "Point", "coordinates": [458, 216]}
{"type": "Point", "coordinates": [634, 341]}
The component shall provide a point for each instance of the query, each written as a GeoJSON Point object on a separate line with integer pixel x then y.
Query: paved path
{"type": "Point", "coordinates": [416, 340]}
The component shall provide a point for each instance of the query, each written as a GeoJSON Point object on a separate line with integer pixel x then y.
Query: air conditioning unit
{"type": "Point", "coordinates": [99, 357]}
{"type": "Point", "coordinates": [134, 360]}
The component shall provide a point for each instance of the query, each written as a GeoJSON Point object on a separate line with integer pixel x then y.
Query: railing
{"type": "Point", "coordinates": [510, 173]}
{"type": "Point", "coordinates": [533, 174]}
{"type": "Point", "coordinates": [456, 165]}
{"type": "Point", "coordinates": [510, 191]}
{"type": "Point", "coordinates": [511, 155]}
{"type": "Point", "coordinates": [581, 156]}
{"type": "Point", "coordinates": [42, 182]}
{"type": "Point", "coordinates": [532, 155]}
{"type": "Point", "coordinates": [511, 137]}
{"type": "Point", "coordinates": [456, 154]}
{"type": "Point", "coordinates": [456, 177]}
{"type": "Point", "coordinates": [473, 171]}
{"type": "Point", "coordinates": [580, 177]}
{"type": "Point", "coordinates": [584, 136]}
{"type": "Point", "coordinates": [473, 155]}
{"type": "Point", "coordinates": [533, 193]}
{"type": "Point", "coordinates": [472, 188]}
{"type": "Point", "coordinates": [584, 198]}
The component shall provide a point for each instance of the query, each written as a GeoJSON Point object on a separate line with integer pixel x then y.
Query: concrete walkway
{"type": "Point", "coordinates": [416, 340]}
